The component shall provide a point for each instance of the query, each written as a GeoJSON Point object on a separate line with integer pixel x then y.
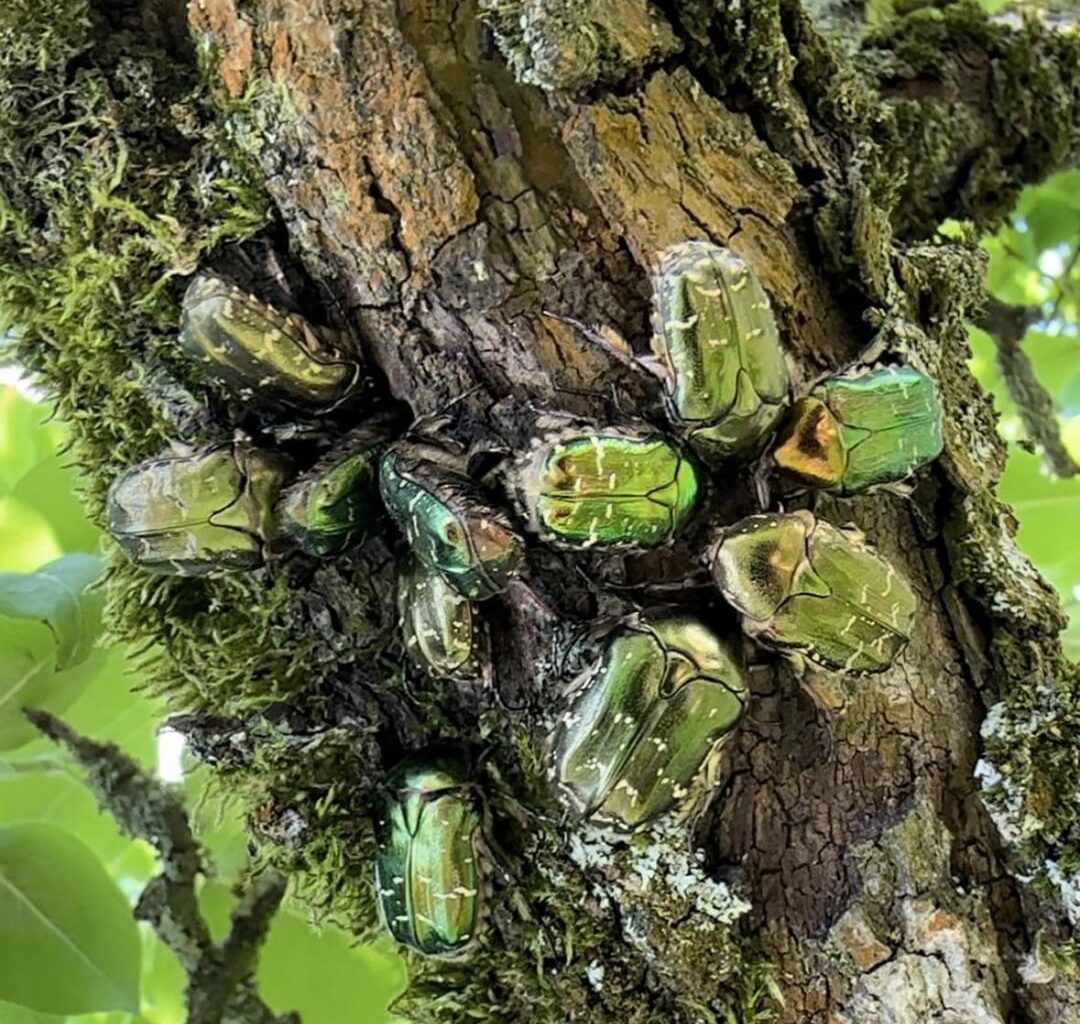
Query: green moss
{"type": "Point", "coordinates": [115, 179]}
{"type": "Point", "coordinates": [238, 641]}
{"type": "Point", "coordinates": [310, 800]}
{"type": "Point", "coordinates": [974, 158]}
{"type": "Point", "coordinates": [592, 977]}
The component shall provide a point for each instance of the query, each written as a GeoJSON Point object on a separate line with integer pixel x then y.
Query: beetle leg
{"type": "Point", "coordinates": [870, 355]}
{"type": "Point", "coordinates": [759, 482]}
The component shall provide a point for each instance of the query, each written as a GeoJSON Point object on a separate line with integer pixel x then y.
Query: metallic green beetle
{"type": "Point", "coordinates": [256, 349]}
{"type": "Point", "coordinates": [426, 873]}
{"type": "Point", "coordinates": [336, 502]}
{"type": "Point", "coordinates": [860, 430]}
{"type": "Point", "coordinates": [643, 726]}
{"type": "Point", "coordinates": [447, 522]}
{"type": "Point", "coordinates": [209, 511]}
{"type": "Point", "coordinates": [442, 630]}
{"type": "Point", "coordinates": [606, 487]}
{"type": "Point", "coordinates": [717, 350]}
{"type": "Point", "coordinates": [814, 591]}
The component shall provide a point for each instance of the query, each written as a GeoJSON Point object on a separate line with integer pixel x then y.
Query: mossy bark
{"type": "Point", "coordinates": [445, 174]}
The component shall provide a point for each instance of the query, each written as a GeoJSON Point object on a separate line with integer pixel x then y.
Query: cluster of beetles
{"type": "Point", "coordinates": [640, 729]}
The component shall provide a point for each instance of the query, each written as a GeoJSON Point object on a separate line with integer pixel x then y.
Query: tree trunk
{"type": "Point", "coordinates": [449, 172]}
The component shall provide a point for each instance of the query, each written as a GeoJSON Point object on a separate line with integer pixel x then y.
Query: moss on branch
{"type": "Point", "coordinates": [983, 107]}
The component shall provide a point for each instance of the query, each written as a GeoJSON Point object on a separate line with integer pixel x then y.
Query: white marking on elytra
{"type": "Point", "coordinates": [858, 653]}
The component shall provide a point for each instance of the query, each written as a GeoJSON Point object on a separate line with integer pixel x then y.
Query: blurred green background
{"type": "Point", "coordinates": [318, 972]}
{"type": "Point", "coordinates": [1033, 263]}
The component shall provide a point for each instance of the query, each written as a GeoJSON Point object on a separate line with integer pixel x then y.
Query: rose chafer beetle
{"type": "Point", "coordinates": [717, 350]}
{"type": "Point", "coordinates": [336, 502]}
{"type": "Point", "coordinates": [861, 429]}
{"type": "Point", "coordinates": [199, 513]}
{"type": "Point", "coordinates": [442, 630]}
{"type": "Point", "coordinates": [606, 486]}
{"type": "Point", "coordinates": [254, 348]}
{"type": "Point", "coordinates": [446, 520]}
{"type": "Point", "coordinates": [643, 725]}
{"type": "Point", "coordinates": [426, 873]}
{"type": "Point", "coordinates": [814, 591]}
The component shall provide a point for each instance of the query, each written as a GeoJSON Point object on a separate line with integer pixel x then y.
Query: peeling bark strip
{"type": "Point", "coordinates": [449, 172]}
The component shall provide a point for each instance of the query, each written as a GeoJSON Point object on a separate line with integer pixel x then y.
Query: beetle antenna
{"type": "Point", "coordinates": [759, 481]}
{"type": "Point", "coordinates": [606, 338]}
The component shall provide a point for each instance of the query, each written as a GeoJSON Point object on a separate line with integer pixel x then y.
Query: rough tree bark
{"type": "Point", "coordinates": [448, 171]}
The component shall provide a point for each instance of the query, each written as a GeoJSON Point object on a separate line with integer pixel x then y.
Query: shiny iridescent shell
{"type": "Point", "coordinates": [446, 520]}
{"type": "Point", "coordinates": [813, 590]}
{"type": "Point", "coordinates": [860, 430]}
{"type": "Point", "coordinates": [718, 351]}
{"type": "Point", "coordinates": [442, 630]}
{"type": "Point", "coordinates": [426, 874]}
{"type": "Point", "coordinates": [191, 515]}
{"type": "Point", "coordinates": [643, 725]}
{"type": "Point", "coordinates": [608, 487]}
{"type": "Point", "coordinates": [336, 503]}
{"type": "Point", "coordinates": [257, 350]}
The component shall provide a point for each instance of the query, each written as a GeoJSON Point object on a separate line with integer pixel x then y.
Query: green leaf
{"type": "Point", "coordinates": [1070, 437]}
{"type": "Point", "coordinates": [1054, 358]}
{"type": "Point", "coordinates": [1043, 504]}
{"type": "Point", "coordinates": [69, 943]}
{"type": "Point", "coordinates": [49, 623]}
{"type": "Point", "coordinates": [37, 477]}
{"type": "Point", "coordinates": [12, 1014]}
{"type": "Point", "coordinates": [49, 489]}
{"type": "Point", "coordinates": [56, 594]}
{"type": "Point", "coordinates": [27, 540]}
{"type": "Point", "coordinates": [1069, 395]}
{"type": "Point", "coordinates": [336, 972]}
{"type": "Point", "coordinates": [25, 435]}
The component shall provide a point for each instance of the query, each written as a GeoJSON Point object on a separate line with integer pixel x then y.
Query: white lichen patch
{"type": "Point", "coordinates": [594, 975]}
{"type": "Point", "coordinates": [1068, 885]}
{"type": "Point", "coordinates": [921, 949]}
{"type": "Point", "coordinates": [655, 878]}
{"type": "Point", "coordinates": [570, 44]}
{"type": "Point", "coordinates": [1004, 797]}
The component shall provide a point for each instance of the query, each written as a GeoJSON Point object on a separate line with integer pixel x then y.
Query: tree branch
{"type": "Point", "coordinates": [221, 987]}
{"type": "Point", "coordinates": [1006, 325]}
{"type": "Point", "coordinates": [983, 106]}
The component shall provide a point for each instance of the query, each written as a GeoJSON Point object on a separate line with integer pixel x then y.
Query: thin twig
{"type": "Point", "coordinates": [1064, 283]}
{"type": "Point", "coordinates": [1006, 325]}
{"type": "Point", "coordinates": [221, 987]}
